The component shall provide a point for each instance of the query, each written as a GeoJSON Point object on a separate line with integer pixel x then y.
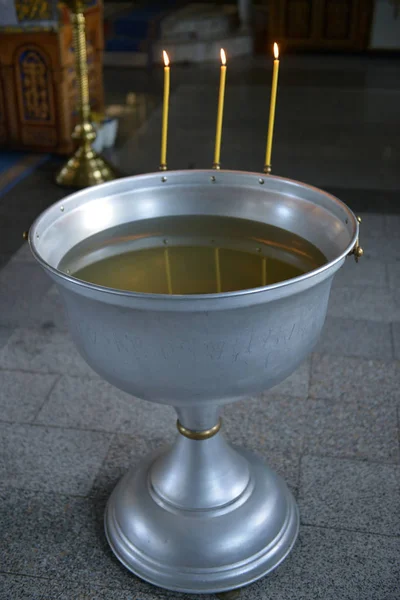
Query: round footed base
{"type": "Point", "coordinates": [85, 168]}
{"type": "Point", "coordinates": [202, 551]}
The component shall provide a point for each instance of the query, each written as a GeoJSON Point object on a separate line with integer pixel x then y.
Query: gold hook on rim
{"type": "Point", "coordinates": [357, 251]}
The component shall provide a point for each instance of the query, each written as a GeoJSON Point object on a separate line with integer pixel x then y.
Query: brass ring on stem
{"type": "Point", "coordinates": [198, 435]}
{"type": "Point", "coordinates": [267, 169]}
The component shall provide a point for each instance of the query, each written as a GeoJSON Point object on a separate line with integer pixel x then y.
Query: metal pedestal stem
{"type": "Point", "coordinates": [201, 517]}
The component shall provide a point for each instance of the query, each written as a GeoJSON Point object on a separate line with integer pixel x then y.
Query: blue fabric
{"type": "Point", "coordinates": [9, 159]}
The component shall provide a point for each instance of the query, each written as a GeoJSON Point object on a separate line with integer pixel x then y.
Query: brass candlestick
{"type": "Point", "coordinates": [85, 167]}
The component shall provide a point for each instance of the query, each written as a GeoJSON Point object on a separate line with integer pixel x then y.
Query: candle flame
{"type": "Point", "coordinates": [166, 58]}
{"type": "Point", "coordinates": [223, 56]}
{"type": "Point", "coordinates": [276, 50]}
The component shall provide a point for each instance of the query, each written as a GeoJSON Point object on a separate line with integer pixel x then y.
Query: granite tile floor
{"type": "Point", "coordinates": [332, 429]}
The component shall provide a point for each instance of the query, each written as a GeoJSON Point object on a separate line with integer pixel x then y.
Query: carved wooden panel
{"type": "Point", "coordinates": [320, 24]}
{"type": "Point", "coordinates": [37, 68]}
{"type": "Point", "coordinates": [42, 137]}
{"type": "Point", "coordinates": [337, 19]}
{"type": "Point", "coordinates": [298, 18]}
{"type": "Point", "coordinates": [34, 85]}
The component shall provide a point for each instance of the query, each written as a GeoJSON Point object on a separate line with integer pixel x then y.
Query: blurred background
{"type": "Point", "coordinates": [337, 112]}
{"type": "Point", "coordinates": [332, 429]}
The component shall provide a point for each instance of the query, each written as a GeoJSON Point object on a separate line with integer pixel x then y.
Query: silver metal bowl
{"type": "Point", "coordinates": [199, 517]}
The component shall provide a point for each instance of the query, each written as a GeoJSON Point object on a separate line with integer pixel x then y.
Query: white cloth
{"type": "Point", "coordinates": [8, 14]}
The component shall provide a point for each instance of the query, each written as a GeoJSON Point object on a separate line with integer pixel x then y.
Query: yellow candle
{"type": "Point", "coordinates": [217, 270]}
{"type": "Point", "coordinates": [264, 271]}
{"type": "Point", "coordinates": [164, 130]}
{"type": "Point", "coordinates": [267, 167]}
{"type": "Point", "coordinates": [168, 271]}
{"type": "Point", "coordinates": [220, 113]}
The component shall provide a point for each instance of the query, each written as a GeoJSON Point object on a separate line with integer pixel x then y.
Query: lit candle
{"type": "Point", "coordinates": [267, 167]}
{"type": "Point", "coordinates": [220, 114]}
{"type": "Point", "coordinates": [164, 130]}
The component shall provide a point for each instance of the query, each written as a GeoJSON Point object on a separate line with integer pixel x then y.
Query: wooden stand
{"type": "Point", "coordinates": [38, 91]}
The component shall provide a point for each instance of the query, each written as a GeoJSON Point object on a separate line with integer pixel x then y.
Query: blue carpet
{"type": "Point", "coordinates": [8, 159]}
{"type": "Point", "coordinates": [15, 166]}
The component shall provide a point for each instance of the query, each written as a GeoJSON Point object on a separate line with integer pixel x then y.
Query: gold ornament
{"type": "Point", "coordinates": [85, 167]}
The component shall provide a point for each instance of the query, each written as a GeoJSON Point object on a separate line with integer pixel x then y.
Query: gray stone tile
{"type": "Point", "coordinates": [396, 339]}
{"type": "Point", "coordinates": [53, 291]}
{"type": "Point", "coordinates": [30, 197]}
{"type": "Point", "coordinates": [45, 351]}
{"type": "Point", "coordinates": [286, 465]}
{"type": "Point", "coordinates": [94, 404]}
{"type": "Point", "coordinates": [23, 286]}
{"type": "Point", "coordinates": [372, 224]}
{"type": "Point", "coordinates": [366, 199]}
{"type": "Point", "coordinates": [51, 459]}
{"type": "Point", "coordinates": [267, 422]}
{"type": "Point", "coordinates": [149, 419]}
{"type": "Point", "coordinates": [23, 254]}
{"type": "Point", "coordinates": [272, 426]}
{"type": "Point", "coordinates": [11, 229]}
{"type": "Point", "coordinates": [22, 587]}
{"type": "Point", "coordinates": [297, 383]}
{"type": "Point", "coordinates": [125, 453]}
{"type": "Point", "coordinates": [138, 590]}
{"type": "Point", "coordinates": [383, 248]}
{"type": "Point", "coordinates": [325, 173]}
{"type": "Point", "coordinates": [364, 302]}
{"type": "Point", "coordinates": [333, 565]}
{"type": "Point", "coordinates": [354, 378]}
{"type": "Point", "coordinates": [5, 333]}
{"type": "Point", "coordinates": [368, 271]}
{"type": "Point", "coordinates": [30, 301]}
{"type": "Point", "coordinates": [348, 430]}
{"type": "Point", "coordinates": [60, 537]}
{"type": "Point", "coordinates": [23, 394]}
{"type": "Point", "coordinates": [392, 225]}
{"type": "Point", "coordinates": [4, 259]}
{"type": "Point", "coordinates": [393, 269]}
{"type": "Point", "coordinates": [351, 337]}
{"type": "Point", "coordinates": [50, 313]}
{"type": "Point", "coordinates": [350, 494]}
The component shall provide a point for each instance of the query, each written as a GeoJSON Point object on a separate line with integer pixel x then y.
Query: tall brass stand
{"type": "Point", "coordinates": [85, 167]}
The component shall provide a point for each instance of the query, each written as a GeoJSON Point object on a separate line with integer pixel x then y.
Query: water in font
{"type": "Point", "coordinates": [191, 255]}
